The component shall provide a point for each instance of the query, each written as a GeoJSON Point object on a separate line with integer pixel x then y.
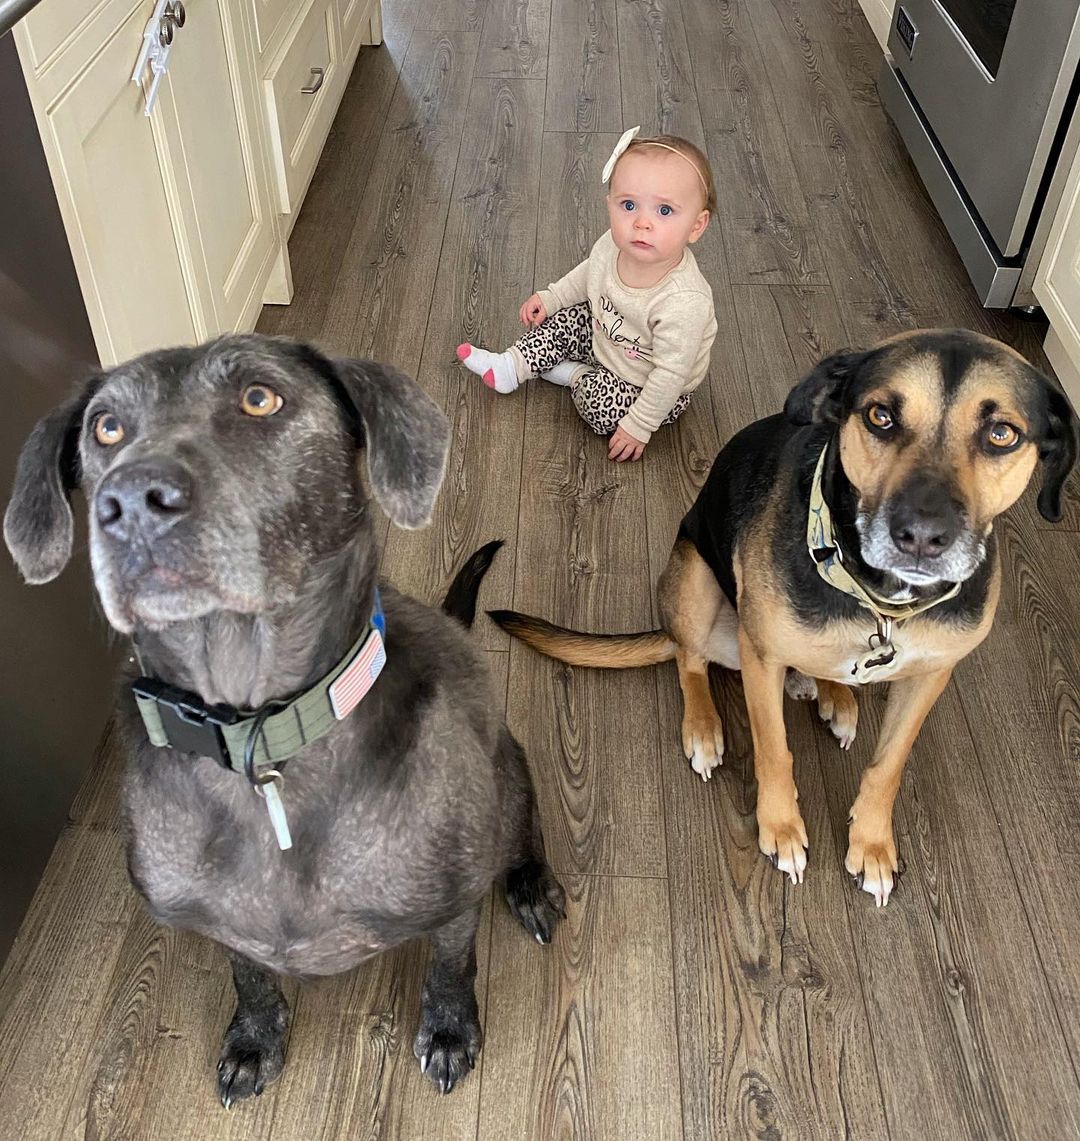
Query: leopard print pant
{"type": "Point", "coordinates": [601, 398]}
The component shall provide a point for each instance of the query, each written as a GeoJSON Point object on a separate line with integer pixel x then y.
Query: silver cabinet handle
{"type": "Point", "coordinates": [318, 74]}
{"type": "Point", "coordinates": [175, 12]}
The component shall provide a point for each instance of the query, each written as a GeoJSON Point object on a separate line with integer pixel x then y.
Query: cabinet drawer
{"type": "Point", "coordinates": [356, 18]}
{"type": "Point", "coordinates": [268, 17]}
{"type": "Point", "coordinates": [299, 118]}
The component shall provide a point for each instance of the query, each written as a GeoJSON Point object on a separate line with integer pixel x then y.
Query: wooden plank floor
{"type": "Point", "coordinates": [692, 992]}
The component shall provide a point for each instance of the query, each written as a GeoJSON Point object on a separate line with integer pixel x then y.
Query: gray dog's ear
{"type": "Point", "coordinates": [406, 434]}
{"type": "Point", "coordinates": [38, 523]}
{"type": "Point", "coordinates": [818, 397]}
{"type": "Point", "coordinates": [1057, 449]}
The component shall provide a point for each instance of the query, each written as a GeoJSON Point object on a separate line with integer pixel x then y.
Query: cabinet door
{"type": "Point", "coordinates": [105, 167]}
{"type": "Point", "coordinates": [215, 154]}
{"type": "Point", "coordinates": [1057, 287]}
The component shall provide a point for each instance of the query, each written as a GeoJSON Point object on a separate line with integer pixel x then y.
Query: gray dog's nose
{"type": "Point", "coordinates": [146, 496]}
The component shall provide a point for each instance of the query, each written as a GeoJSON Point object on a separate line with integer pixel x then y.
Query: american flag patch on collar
{"type": "Point", "coordinates": [358, 676]}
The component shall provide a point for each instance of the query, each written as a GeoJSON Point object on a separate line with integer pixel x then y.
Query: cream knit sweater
{"type": "Point", "coordinates": [658, 338]}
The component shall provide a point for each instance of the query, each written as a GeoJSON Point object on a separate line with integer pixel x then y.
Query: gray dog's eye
{"type": "Point", "coordinates": [259, 400]}
{"type": "Point", "coordinates": [108, 431]}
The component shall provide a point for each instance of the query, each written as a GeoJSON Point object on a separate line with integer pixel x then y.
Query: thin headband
{"type": "Point", "coordinates": [628, 137]}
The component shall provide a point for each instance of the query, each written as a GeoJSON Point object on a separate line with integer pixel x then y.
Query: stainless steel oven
{"type": "Point", "coordinates": [982, 92]}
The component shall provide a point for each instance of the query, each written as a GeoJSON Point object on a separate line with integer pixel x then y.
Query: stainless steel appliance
{"type": "Point", "coordinates": [983, 92]}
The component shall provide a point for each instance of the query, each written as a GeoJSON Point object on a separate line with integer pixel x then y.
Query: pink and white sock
{"type": "Point", "coordinates": [496, 370]}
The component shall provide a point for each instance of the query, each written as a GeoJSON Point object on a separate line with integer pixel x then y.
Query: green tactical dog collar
{"type": "Point", "coordinates": [243, 742]}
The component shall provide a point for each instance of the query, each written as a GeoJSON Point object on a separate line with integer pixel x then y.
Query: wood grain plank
{"type": "Point", "coordinates": [581, 1034]}
{"type": "Point", "coordinates": [448, 15]}
{"type": "Point", "coordinates": [485, 272]}
{"type": "Point", "coordinates": [772, 1021]}
{"type": "Point", "coordinates": [379, 303]}
{"type": "Point", "coordinates": [514, 42]}
{"type": "Point", "coordinates": [761, 207]}
{"type": "Point", "coordinates": [654, 64]}
{"type": "Point", "coordinates": [839, 21]}
{"type": "Point", "coordinates": [56, 981]}
{"type": "Point", "coordinates": [316, 249]}
{"type": "Point", "coordinates": [583, 89]}
{"type": "Point", "coordinates": [952, 980]}
{"type": "Point", "coordinates": [1027, 734]}
{"type": "Point", "coordinates": [806, 320]}
{"type": "Point", "coordinates": [577, 563]}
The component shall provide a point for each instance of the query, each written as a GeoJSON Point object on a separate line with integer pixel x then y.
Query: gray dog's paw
{"type": "Point", "coordinates": [251, 1058]}
{"type": "Point", "coordinates": [448, 1044]}
{"type": "Point", "coordinates": [536, 898]}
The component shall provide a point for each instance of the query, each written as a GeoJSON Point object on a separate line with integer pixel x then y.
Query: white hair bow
{"type": "Point", "coordinates": [620, 146]}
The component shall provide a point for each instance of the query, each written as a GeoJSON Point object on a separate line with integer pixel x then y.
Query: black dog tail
{"type": "Point", "coordinates": [460, 601]}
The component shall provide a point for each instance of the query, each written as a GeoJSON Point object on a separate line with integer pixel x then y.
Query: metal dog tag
{"type": "Point", "coordinates": [268, 790]}
{"type": "Point", "coordinates": [869, 664]}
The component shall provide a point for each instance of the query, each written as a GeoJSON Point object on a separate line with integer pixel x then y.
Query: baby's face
{"type": "Point", "coordinates": [656, 205]}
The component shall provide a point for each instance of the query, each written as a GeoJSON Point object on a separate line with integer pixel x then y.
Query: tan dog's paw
{"type": "Point", "coordinates": [871, 859]}
{"type": "Point", "coordinates": [838, 708]}
{"type": "Point", "coordinates": [703, 742]}
{"type": "Point", "coordinates": [782, 837]}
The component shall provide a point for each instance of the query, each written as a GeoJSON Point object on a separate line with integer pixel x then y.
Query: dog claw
{"type": "Point", "coordinates": [425, 1061]}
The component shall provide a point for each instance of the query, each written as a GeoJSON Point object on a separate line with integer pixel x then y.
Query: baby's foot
{"type": "Point", "coordinates": [496, 370]}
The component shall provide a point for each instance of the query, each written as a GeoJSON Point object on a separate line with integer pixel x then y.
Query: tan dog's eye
{"type": "Point", "coordinates": [108, 431]}
{"type": "Point", "coordinates": [258, 400]}
{"type": "Point", "coordinates": [1002, 435]}
{"type": "Point", "coordinates": [879, 417]}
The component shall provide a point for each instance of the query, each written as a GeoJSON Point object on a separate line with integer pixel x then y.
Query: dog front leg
{"type": "Point", "coordinates": [871, 854]}
{"type": "Point", "coordinates": [254, 1049]}
{"type": "Point", "coordinates": [449, 1039]}
{"type": "Point", "coordinates": [781, 832]}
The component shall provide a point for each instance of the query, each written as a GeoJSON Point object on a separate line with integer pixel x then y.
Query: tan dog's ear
{"type": "Point", "coordinates": [1057, 448]}
{"type": "Point", "coordinates": [38, 524]}
{"type": "Point", "coordinates": [818, 397]}
{"type": "Point", "coordinates": [407, 438]}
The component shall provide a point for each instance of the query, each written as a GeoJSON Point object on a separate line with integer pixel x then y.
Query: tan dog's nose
{"type": "Point", "coordinates": [924, 520]}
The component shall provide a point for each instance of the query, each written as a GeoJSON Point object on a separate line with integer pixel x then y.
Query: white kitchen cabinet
{"type": "Point", "coordinates": [115, 204]}
{"type": "Point", "coordinates": [178, 221]}
{"type": "Point", "coordinates": [1057, 286]}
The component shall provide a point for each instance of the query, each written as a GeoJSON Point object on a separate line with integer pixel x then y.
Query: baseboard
{"type": "Point", "coordinates": [879, 15]}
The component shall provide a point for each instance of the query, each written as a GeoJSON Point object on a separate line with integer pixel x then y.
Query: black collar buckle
{"type": "Point", "coordinates": [190, 724]}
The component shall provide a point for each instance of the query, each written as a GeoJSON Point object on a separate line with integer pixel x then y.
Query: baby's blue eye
{"type": "Point", "coordinates": [628, 205]}
{"type": "Point", "coordinates": [665, 211]}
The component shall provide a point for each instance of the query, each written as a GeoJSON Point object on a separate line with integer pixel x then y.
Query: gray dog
{"type": "Point", "coordinates": [315, 768]}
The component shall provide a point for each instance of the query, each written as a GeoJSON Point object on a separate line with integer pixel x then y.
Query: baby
{"type": "Point", "coordinates": [630, 329]}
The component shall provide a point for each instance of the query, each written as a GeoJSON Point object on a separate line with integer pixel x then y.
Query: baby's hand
{"type": "Point", "coordinates": [533, 311]}
{"type": "Point", "coordinates": [622, 446]}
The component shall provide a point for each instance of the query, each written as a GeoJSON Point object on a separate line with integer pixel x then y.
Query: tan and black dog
{"type": "Point", "coordinates": [851, 540]}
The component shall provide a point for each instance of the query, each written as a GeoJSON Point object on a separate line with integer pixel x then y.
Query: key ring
{"type": "Point", "coordinates": [254, 778]}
